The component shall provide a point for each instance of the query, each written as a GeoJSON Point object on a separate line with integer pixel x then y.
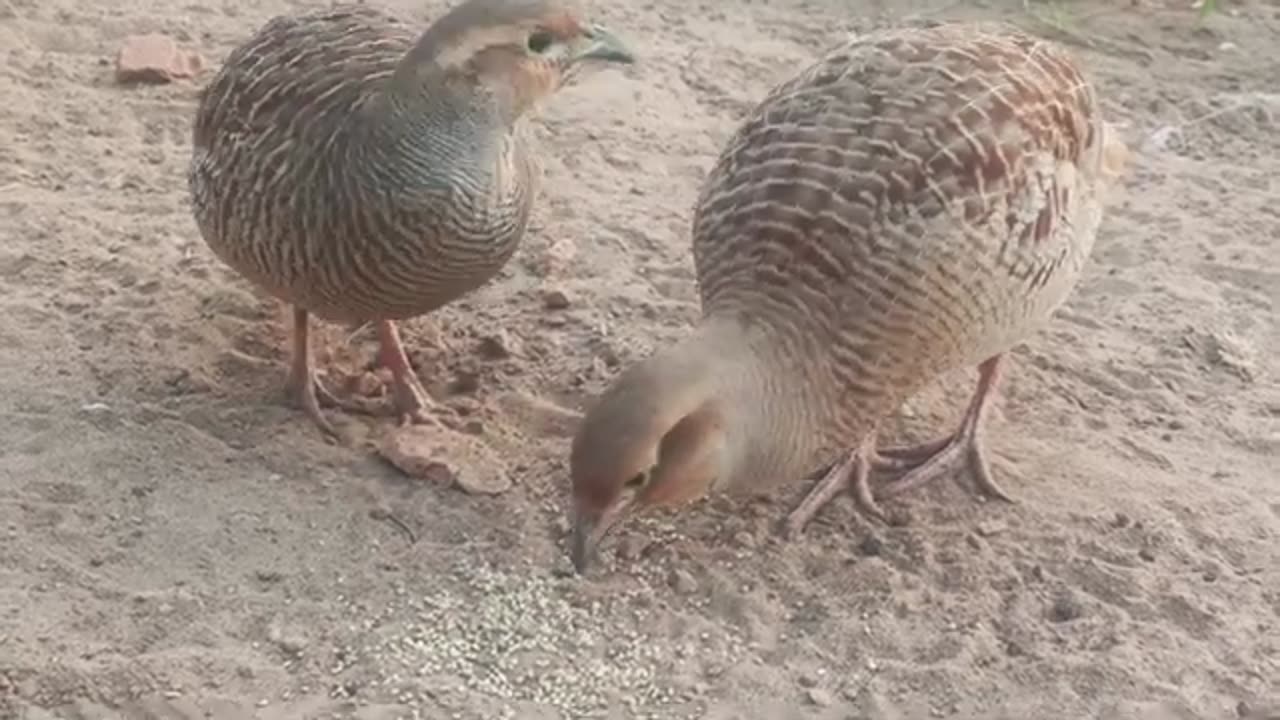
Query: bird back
{"type": "Point", "coordinates": [915, 200]}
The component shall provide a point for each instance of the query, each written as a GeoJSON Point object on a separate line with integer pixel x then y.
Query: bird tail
{"type": "Point", "coordinates": [1115, 154]}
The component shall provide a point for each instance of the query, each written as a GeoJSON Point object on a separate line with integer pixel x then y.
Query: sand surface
{"type": "Point", "coordinates": [176, 543]}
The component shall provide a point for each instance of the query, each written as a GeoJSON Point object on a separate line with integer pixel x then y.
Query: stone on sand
{"type": "Point", "coordinates": [441, 455]}
{"type": "Point", "coordinates": [155, 58]}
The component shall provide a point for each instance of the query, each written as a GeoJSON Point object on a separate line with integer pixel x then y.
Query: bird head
{"type": "Point", "coordinates": [657, 438]}
{"type": "Point", "coordinates": [519, 50]}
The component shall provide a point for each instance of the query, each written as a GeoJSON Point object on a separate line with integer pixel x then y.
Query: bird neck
{"type": "Point", "coordinates": [764, 418]}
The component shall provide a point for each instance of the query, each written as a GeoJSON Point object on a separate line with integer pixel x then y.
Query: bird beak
{"type": "Point", "coordinates": [590, 528]}
{"type": "Point", "coordinates": [597, 43]}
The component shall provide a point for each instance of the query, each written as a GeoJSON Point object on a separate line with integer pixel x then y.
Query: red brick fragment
{"type": "Point", "coordinates": [155, 58]}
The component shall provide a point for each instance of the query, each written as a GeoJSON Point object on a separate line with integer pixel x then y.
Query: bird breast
{"type": "Point", "coordinates": [307, 180]}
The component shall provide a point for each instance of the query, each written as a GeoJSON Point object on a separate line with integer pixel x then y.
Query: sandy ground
{"type": "Point", "coordinates": [175, 543]}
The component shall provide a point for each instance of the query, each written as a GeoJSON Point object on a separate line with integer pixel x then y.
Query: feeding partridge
{"type": "Point", "coordinates": [916, 201]}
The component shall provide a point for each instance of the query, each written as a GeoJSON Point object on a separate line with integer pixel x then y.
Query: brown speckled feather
{"type": "Point", "coordinates": [916, 201]}
{"type": "Point", "coordinates": [313, 178]}
{"type": "Point", "coordinates": [364, 173]}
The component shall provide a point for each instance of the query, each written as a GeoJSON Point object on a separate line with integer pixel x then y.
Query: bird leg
{"type": "Point", "coordinates": [939, 457]}
{"type": "Point", "coordinates": [855, 472]}
{"type": "Point", "coordinates": [302, 386]}
{"type": "Point", "coordinates": [306, 392]}
{"type": "Point", "coordinates": [922, 463]}
{"type": "Point", "coordinates": [408, 396]}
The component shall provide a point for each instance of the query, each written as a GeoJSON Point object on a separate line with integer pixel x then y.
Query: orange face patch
{"type": "Point", "coordinates": [564, 25]}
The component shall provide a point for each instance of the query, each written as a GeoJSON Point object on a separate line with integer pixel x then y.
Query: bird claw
{"type": "Point", "coordinates": [923, 463]}
{"type": "Point", "coordinates": [309, 395]}
{"type": "Point", "coordinates": [917, 465]}
{"type": "Point", "coordinates": [416, 417]}
{"type": "Point", "coordinates": [853, 472]}
{"type": "Point", "coordinates": [411, 402]}
{"type": "Point", "coordinates": [963, 448]}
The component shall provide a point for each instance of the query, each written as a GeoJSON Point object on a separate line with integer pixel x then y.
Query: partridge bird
{"type": "Point", "coordinates": [364, 174]}
{"type": "Point", "coordinates": [916, 201]}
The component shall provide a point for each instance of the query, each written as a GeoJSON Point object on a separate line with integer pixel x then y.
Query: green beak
{"type": "Point", "coordinates": [600, 44]}
{"type": "Point", "coordinates": [590, 528]}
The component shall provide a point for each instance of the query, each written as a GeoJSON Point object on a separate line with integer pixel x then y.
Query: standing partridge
{"type": "Point", "coordinates": [363, 173]}
{"type": "Point", "coordinates": [915, 202]}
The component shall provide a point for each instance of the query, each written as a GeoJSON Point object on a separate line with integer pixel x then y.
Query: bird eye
{"type": "Point", "coordinates": [638, 481]}
{"type": "Point", "coordinates": [540, 41]}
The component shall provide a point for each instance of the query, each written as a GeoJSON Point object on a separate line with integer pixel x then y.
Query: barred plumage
{"type": "Point", "coordinates": [915, 201]}
{"type": "Point", "coordinates": [361, 172]}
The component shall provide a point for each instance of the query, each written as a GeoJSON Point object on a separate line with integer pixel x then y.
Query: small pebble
{"type": "Point", "coordinates": [631, 547]}
{"type": "Point", "coordinates": [820, 697]}
{"type": "Point", "coordinates": [465, 382]}
{"type": "Point", "coordinates": [871, 546]}
{"type": "Point", "coordinates": [292, 644]}
{"type": "Point", "coordinates": [464, 406]}
{"type": "Point", "coordinates": [682, 582]}
{"type": "Point", "coordinates": [556, 299]}
{"type": "Point", "coordinates": [562, 525]}
{"type": "Point", "coordinates": [498, 346]}
{"type": "Point", "coordinates": [1163, 138]}
{"type": "Point", "coordinates": [1065, 608]}
{"type": "Point", "coordinates": [268, 576]}
{"type": "Point", "coordinates": [991, 528]}
{"type": "Point", "coordinates": [1147, 554]}
{"type": "Point", "coordinates": [900, 517]}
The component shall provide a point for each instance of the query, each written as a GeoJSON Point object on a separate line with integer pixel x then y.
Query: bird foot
{"type": "Point", "coordinates": [915, 465]}
{"type": "Point", "coordinates": [921, 464]}
{"type": "Point", "coordinates": [411, 402]}
{"type": "Point", "coordinates": [854, 472]}
{"type": "Point", "coordinates": [312, 397]}
{"type": "Point", "coordinates": [309, 395]}
{"type": "Point", "coordinates": [927, 462]}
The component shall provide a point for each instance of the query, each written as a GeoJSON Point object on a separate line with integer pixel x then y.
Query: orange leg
{"type": "Point", "coordinates": [928, 461]}
{"type": "Point", "coordinates": [409, 398]}
{"type": "Point", "coordinates": [302, 387]}
{"type": "Point", "coordinates": [922, 463]}
{"type": "Point", "coordinates": [853, 472]}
